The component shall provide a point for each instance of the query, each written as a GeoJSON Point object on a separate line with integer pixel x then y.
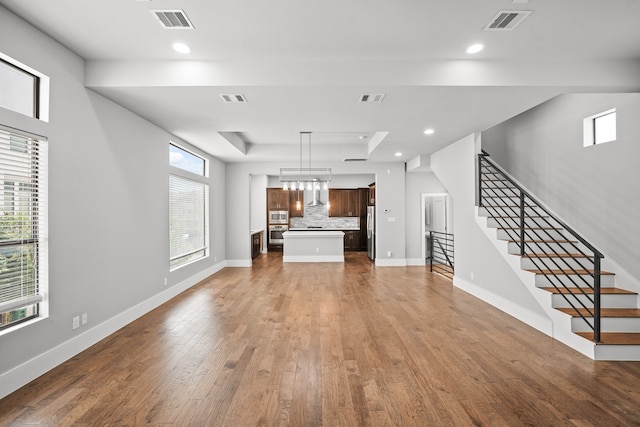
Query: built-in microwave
{"type": "Point", "coordinates": [278, 217]}
{"type": "Point", "coordinates": [275, 234]}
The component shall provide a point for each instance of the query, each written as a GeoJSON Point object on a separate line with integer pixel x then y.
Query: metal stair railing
{"type": "Point", "coordinates": [441, 252]}
{"type": "Point", "coordinates": [561, 260]}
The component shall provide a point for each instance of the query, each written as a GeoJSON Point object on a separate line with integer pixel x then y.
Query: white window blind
{"type": "Point", "coordinates": [188, 213]}
{"type": "Point", "coordinates": [22, 226]}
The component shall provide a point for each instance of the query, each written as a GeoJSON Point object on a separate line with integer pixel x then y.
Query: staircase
{"type": "Point", "coordinates": [560, 268]}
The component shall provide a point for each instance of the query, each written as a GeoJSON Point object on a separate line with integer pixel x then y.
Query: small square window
{"type": "Point", "coordinates": [600, 128]}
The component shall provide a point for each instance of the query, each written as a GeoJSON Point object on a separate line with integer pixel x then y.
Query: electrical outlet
{"type": "Point", "coordinates": [76, 322]}
{"type": "Point", "coordinates": [165, 281]}
{"type": "Point", "coordinates": [317, 250]}
{"type": "Point", "coordinates": [389, 254]}
{"type": "Point", "coordinates": [471, 275]}
{"type": "Point", "coordinates": [84, 319]}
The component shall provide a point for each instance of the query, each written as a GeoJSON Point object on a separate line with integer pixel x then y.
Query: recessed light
{"type": "Point", "coordinates": [398, 154]}
{"type": "Point", "coordinates": [474, 48]}
{"type": "Point", "coordinates": [181, 48]}
{"type": "Point", "coordinates": [429, 131]}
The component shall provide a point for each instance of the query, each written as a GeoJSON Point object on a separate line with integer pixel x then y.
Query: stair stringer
{"type": "Point", "coordinates": [561, 329]}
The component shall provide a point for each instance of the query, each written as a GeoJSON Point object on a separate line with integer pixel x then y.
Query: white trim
{"type": "Point", "coordinates": [416, 261]}
{"type": "Point", "coordinates": [313, 258]}
{"type": "Point", "coordinates": [385, 262]}
{"type": "Point", "coordinates": [238, 263]}
{"type": "Point", "coordinates": [21, 375]}
{"type": "Point", "coordinates": [541, 323]}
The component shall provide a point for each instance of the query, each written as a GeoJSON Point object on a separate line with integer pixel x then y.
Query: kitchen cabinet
{"type": "Point", "coordinates": [256, 244]}
{"type": "Point", "coordinates": [344, 202]}
{"type": "Point", "coordinates": [294, 197]}
{"type": "Point", "coordinates": [277, 199]}
{"type": "Point", "coordinates": [372, 194]}
{"type": "Point", "coordinates": [364, 202]}
{"type": "Point", "coordinates": [352, 240]}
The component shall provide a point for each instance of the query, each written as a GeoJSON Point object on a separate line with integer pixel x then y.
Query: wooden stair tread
{"type": "Point", "coordinates": [570, 272]}
{"type": "Point", "coordinates": [529, 228]}
{"type": "Point", "coordinates": [544, 241]}
{"type": "Point", "coordinates": [617, 338]}
{"type": "Point", "coordinates": [604, 312]}
{"type": "Point", "coordinates": [517, 216]}
{"type": "Point", "coordinates": [576, 291]}
{"type": "Point", "coordinates": [561, 255]}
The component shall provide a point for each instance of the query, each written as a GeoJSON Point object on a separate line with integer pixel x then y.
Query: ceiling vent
{"type": "Point", "coordinates": [233, 97]}
{"type": "Point", "coordinates": [354, 160]}
{"type": "Point", "coordinates": [174, 19]}
{"type": "Point", "coordinates": [375, 98]}
{"type": "Point", "coordinates": [507, 20]}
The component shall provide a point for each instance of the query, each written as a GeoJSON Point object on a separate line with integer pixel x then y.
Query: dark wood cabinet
{"type": "Point", "coordinates": [277, 199]}
{"type": "Point", "coordinates": [372, 194]}
{"type": "Point", "coordinates": [364, 202]}
{"type": "Point", "coordinates": [296, 203]}
{"type": "Point", "coordinates": [256, 244]}
{"type": "Point", "coordinates": [344, 202]}
{"type": "Point", "coordinates": [352, 240]}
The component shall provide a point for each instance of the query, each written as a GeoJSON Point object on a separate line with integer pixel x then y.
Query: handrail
{"type": "Point", "coordinates": [444, 255]}
{"type": "Point", "coordinates": [537, 240]}
{"type": "Point", "coordinates": [540, 204]}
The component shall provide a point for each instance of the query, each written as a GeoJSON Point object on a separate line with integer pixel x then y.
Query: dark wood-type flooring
{"type": "Point", "coordinates": [328, 345]}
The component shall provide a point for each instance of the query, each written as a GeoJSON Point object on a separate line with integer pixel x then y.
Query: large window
{"type": "Point", "coordinates": [22, 227]}
{"type": "Point", "coordinates": [188, 207]}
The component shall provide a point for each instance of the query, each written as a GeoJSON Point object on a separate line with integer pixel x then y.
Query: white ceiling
{"type": "Point", "coordinates": [303, 65]}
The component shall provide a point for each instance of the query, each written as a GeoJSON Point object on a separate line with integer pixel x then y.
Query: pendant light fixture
{"type": "Point", "coordinates": [306, 177]}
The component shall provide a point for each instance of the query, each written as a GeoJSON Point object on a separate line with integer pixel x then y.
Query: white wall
{"type": "Point", "coordinates": [108, 211]}
{"type": "Point", "coordinates": [479, 268]}
{"type": "Point", "coordinates": [596, 190]}
{"type": "Point", "coordinates": [416, 184]}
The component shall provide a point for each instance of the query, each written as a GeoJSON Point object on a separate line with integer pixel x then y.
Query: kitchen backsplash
{"type": "Point", "coordinates": [316, 216]}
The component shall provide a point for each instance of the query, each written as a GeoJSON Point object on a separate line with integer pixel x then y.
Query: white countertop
{"type": "Point", "coordinates": [312, 233]}
{"type": "Point", "coordinates": [306, 229]}
{"type": "Point", "coordinates": [257, 230]}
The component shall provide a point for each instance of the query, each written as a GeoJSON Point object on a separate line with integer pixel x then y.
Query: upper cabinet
{"type": "Point", "coordinates": [277, 199]}
{"type": "Point", "coordinates": [344, 202]}
{"type": "Point", "coordinates": [372, 194]}
{"type": "Point", "coordinates": [296, 203]}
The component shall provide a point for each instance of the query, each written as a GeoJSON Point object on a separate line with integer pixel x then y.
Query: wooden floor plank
{"type": "Point", "coordinates": [328, 345]}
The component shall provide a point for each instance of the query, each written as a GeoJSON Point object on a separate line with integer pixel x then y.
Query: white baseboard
{"type": "Point", "coordinates": [238, 263]}
{"type": "Point", "coordinates": [391, 262]}
{"type": "Point", "coordinates": [416, 261]}
{"type": "Point", "coordinates": [543, 324]}
{"type": "Point", "coordinates": [312, 258]}
{"type": "Point", "coordinates": [21, 375]}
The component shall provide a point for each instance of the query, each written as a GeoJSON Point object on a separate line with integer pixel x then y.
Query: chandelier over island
{"type": "Point", "coordinates": [300, 178]}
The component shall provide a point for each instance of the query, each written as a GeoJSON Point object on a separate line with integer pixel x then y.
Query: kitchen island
{"type": "Point", "coordinates": [313, 246]}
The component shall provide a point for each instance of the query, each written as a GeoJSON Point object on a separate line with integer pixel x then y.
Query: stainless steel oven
{"type": "Point", "coordinates": [278, 217]}
{"type": "Point", "coordinates": [275, 233]}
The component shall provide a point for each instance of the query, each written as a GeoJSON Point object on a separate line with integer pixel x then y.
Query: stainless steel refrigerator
{"type": "Point", "coordinates": [371, 232]}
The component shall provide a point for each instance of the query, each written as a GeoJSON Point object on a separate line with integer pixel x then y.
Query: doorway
{"type": "Point", "coordinates": [437, 215]}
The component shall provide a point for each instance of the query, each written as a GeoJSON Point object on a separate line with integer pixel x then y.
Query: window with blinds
{"type": "Point", "coordinates": [22, 227]}
{"type": "Point", "coordinates": [188, 213]}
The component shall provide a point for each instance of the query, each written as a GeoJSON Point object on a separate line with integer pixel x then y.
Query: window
{"type": "Point", "coordinates": [600, 128]}
{"type": "Point", "coordinates": [19, 89]}
{"type": "Point", "coordinates": [22, 227]}
{"type": "Point", "coordinates": [188, 208]}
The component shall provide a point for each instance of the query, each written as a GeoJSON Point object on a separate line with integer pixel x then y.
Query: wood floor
{"type": "Point", "coordinates": [328, 345]}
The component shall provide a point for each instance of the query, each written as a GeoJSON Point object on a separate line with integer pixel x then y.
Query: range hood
{"type": "Point", "coordinates": [315, 201]}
